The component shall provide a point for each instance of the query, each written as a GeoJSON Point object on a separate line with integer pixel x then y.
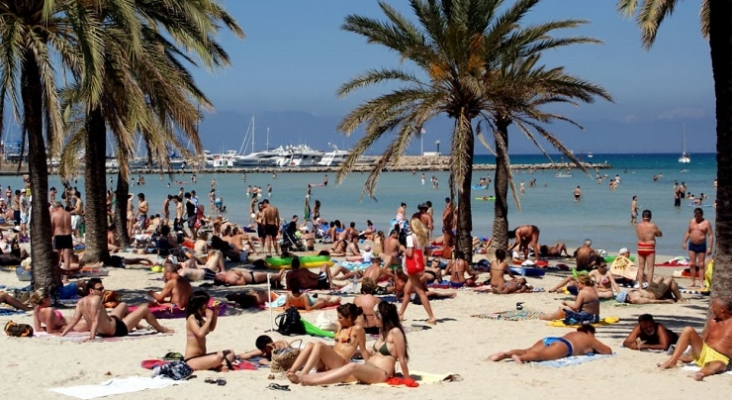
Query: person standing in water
{"type": "Point", "coordinates": [634, 210]}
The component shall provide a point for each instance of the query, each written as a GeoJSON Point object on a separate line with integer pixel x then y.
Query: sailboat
{"type": "Point", "coordinates": [685, 158]}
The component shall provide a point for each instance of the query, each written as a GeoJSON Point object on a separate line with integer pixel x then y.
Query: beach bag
{"type": "Point", "coordinates": [18, 330]}
{"type": "Point", "coordinates": [415, 263]}
{"type": "Point", "coordinates": [324, 322]}
{"type": "Point", "coordinates": [289, 323]}
{"type": "Point", "coordinates": [176, 370]}
{"type": "Point", "coordinates": [282, 359]}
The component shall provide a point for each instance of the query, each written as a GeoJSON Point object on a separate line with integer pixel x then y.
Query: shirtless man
{"type": "Point", "coordinates": [179, 208]}
{"type": "Point", "coordinates": [401, 212]}
{"type": "Point", "coordinates": [118, 323]}
{"type": "Point", "coordinates": [585, 256]}
{"type": "Point", "coordinates": [457, 268]}
{"type": "Point", "coordinates": [699, 230]}
{"type": "Point", "coordinates": [235, 241]}
{"type": "Point", "coordinates": [195, 271]}
{"type": "Point", "coordinates": [76, 214]}
{"type": "Point", "coordinates": [177, 290]}
{"type": "Point", "coordinates": [499, 267]}
{"type": "Point", "coordinates": [166, 209]}
{"type": "Point", "coordinates": [447, 215]}
{"type": "Point", "coordinates": [711, 351]}
{"type": "Point", "coordinates": [654, 294]}
{"type": "Point", "coordinates": [527, 237]}
{"type": "Point", "coordinates": [243, 278]}
{"type": "Point", "coordinates": [375, 272]}
{"type": "Point", "coordinates": [634, 210]}
{"type": "Point", "coordinates": [577, 194]}
{"type": "Point", "coordinates": [647, 234]}
{"type": "Point", "coordinates": [61, 228]}
{"type": "Point", "coordinates": [554, 250]}
{"type": "Point", "coordinates": [272, 222]}
{"type": "Point", "coordinates": [391, 250]}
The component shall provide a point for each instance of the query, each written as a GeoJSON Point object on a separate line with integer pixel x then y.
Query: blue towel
{"type": "Point", "coordinates": [574, 360]}
{"type": "Point", "coordinates": [10, 311]}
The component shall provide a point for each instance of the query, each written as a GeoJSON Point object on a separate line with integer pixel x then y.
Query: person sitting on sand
{"type": "Point", "coordinates": [712, 350]}
{"type": "Point", "coordinates": [264, 348]}
{"type": "Point", "coordinates": [390, 348]}
{"type": "Point", "coordinates": [368, 302]}
{"type": "Point", "coordinates": [624, 271]}
{"type": "Point", "coordinates": [585, 256]}
{"type": "Point", "coordinates": [554, 250]}
{"type": "Point", "coordinates": [605, 284]}
{"type": "Point", "coordinates": [391, 254]}
{"type": "Point", "coordinates": [6, 298]}
{"type": "Point", "coordinates": [200, 321]}
{"type": "Point", "coordinates": [349, 340]}
{"type": "Point", "coordinates": [577, 343]}
{"type": "Point", "coordinates": [376, 272]}
{"type": "Point", "coordinates": [353, 253]}
{"type": "Point", "coordinates": [120, 322]}
{"type": "Point", "coordinates": [661, 290]}
{"type": "Point", "coordinates": [303, 301]}
{"type": "Point", "coordinates": [177, 289]}
{"type": "Point", "coordinates": [433, 272]}
{"type": "Point", "coordinates": [242, 278]}
{"type": "Point", "coordinates": [516, 285]}
{"type": "Point", "coordinates": [586, 307]}
{"type": "Point", "coordinates": [46, 318]}
{"type": "Point", "coordinates": [338, 249]}
{"type": "Point", "coordinates": [650, 335]}
{"type": "Point", "coordinates": [113, 243]}
{"type": "Point", "coordinates": [308, 279]}
{"type": "Point", "coordinates": [499, 267]}
{"type": "Point", "coordinates": [458, 268]}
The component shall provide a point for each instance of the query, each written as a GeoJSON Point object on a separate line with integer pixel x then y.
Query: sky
{"type": "Point", "coordinates": [295, 56]}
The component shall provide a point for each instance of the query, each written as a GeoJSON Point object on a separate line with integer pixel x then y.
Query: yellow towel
{"type": "Point", "coordinates": [604, 321]}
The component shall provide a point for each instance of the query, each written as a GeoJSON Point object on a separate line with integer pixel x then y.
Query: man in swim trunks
{"type": "Point", "coordinates": [650, 335]}
{"type": "Point", "coordinates": [309, 279]}
{"type": "Point", "coordinates": [661, 290]}
{"type": "Point", "coordinates": [391, 249]}
{"type": "Point", "coordinates": [376, 272]}
{"type": "Point", "coordinates": [243, 278]}
{"type": "Point", "coordinates": [554, 348]}
{"type": "Point", "coordinates": [118, 323]}
{"type": "Point", "coordinates": [713, 350]}
{"type": "Point", "coordinates": [699, 230]}
{"type": "Point", "coordinates": [647, 233]}
{"type": "Point", "coordinates": [634, 210]}
{"type": "Point", "coordinates": [585, 256]}
{"type": "Point", "coordinates": [61, 229]}
{"type": "Point", "coordinates": [177, 289]}
{"type": "Point", "coordinates": [527, 237]}
{"type": "Point", "coordinates": [272, 222]}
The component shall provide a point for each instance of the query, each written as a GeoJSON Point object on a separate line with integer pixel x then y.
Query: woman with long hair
{"type": "Point", "coordinates": [586, 307]}
{"type": "Point", "coordinates": [414, 250]}
{"type": "Point", "coordinates": [379, 239]}
{"type": "Point", "coordinates": [321, 356]}
{"type": "Point", "coordinates": [200, 321]}
{"type": "Point", "coordinates": [390, 348]}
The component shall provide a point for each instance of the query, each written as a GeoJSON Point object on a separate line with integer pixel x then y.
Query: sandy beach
{"type": "Point", "coordinates": [459, 344]}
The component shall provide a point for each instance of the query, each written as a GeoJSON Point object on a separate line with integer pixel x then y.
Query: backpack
{"type": "Point", "coordinates": [18, 330]}
{"type": "Point", "coordinates": [289, 323]}
{"type": "Point", "coordinates": [176, 370]}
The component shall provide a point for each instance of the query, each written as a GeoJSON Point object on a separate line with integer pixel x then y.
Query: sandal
{"type": "Point", "coordinates": [211, 380]}
{"type": "Point", "coordinates": [276, 386]}
{"type": "Point", "coordinates": [221, 382]}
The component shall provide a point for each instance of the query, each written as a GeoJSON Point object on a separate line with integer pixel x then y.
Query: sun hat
{"type": "Point", "coordinates": [623, 250]}
{"type": "Point", "coordinates": [622, 296]}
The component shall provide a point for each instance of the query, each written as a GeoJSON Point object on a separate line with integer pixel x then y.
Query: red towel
{"type": "Point", "coordinates": [397, 381]}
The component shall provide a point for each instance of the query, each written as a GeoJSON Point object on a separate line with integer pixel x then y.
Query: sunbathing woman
{"type": "Point", "coordinates": [319, 355]}
{"type": "Point", "coordinates": [45, 318]}
{"type": "Point", "coordinates": [386, 351]}
{"type": "Point", "coordinates": [605, 283]}
{"type": "Point", "coordinates": [499, 268]}
{"type": "Point", "coordinates": [197, 327]}
{"type": "Point", "coordinates": [553, 348]}
{"type": "Point", "coordinates": [586, 307]}
{"type": "Point", "coordinates": [302, 301]}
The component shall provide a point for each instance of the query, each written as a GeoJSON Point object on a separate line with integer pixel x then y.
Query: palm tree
{"type": "Point", "coordinates": [715, 25]}
{"type": "Point", "coordinates": [516, 86]}
{"type": "Point", "coordinates": [32, 32]}
{"type": "Point", "coordinates": [447, 46]}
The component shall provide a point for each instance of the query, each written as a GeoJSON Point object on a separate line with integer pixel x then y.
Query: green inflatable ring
{"type": "Point", "coordinates": [313, 330]}
{"type": "Point", "coordinates": [282, 261]}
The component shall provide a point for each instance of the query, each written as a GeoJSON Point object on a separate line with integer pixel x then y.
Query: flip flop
{"type": "Point", "coordinates": [221, 382]}
{"type": "Point", "coordinates": [211, 380]}
{"type": "Point", "coordinates": [276, 386]}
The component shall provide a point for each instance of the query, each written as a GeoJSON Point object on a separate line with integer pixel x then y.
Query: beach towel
{"type": "Point", "coordinates": [7, 311]}
{"type": "Point", "coordinates": [604, 321]}
{"type": "Point", "coordinates": [510, 315]}
{"type": "Point", "coordinates": [416, 378]}
{"type": "Point", "coordinates": [700, 291]}
{"type": "Point", "coordinates": [680, 261]}
{"type": "Point", "coordinates": [489, 289]}
{"type": "Point", "coordinates": [116, 386]}
{"type": "Point", "coordinates": [573, 360]}
{"type": "Point", "coordinates": [81, 336]}
{"type": "Point", "coordinates": [240, 365]}
{"type": "Point", "coordinates": [695, 368]}
{"type": "Point", "coordinates": [172, 311]}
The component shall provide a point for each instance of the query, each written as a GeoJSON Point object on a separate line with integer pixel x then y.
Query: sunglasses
{"type": "Point", "coordinates": [101, 288]}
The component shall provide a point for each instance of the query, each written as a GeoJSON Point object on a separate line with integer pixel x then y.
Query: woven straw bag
{"type": "Point", "coordinates": [282, 359]}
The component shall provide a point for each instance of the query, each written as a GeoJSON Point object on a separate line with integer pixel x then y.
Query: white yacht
{"type": "Point", "coordinates": [685, 158]}
{"type": "Point", "coordinates": [334, 158]}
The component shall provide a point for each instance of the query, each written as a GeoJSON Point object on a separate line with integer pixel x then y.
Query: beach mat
{"type": "Point", "coordinates": [573, 360]}
{"type": "Point", "coordinates": [695, 368]}
{"type": "Point", "coordinates": [116, 386]}
{"type": "Point", "coordinates": [7, 311]}
{"type": "Point", "coordinates": [239, 366]}
{"type": "Point", "coordinates": [510, 315]}
{"type": "Point", "coordinates": [489, 289]}
{"type": "Point", "coordinates": [605, 321]}
{"type": "Point", "coordinates": [172, 311]}
{"type": "Point", "coordinates": [420, 378]}
{"type": "Point", "coordinates": [81, 336]}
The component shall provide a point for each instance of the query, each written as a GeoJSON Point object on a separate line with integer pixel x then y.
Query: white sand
{"type": "Point", "coordinates": [459, 344]}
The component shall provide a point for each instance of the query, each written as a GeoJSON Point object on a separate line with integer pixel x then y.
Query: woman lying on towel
{"type": "Point", "coordinates": [46, 318]}
{"type": "Point", "coordinates": [200, 321]}
{"type": "Point", "coordinates": [321, 356]}
{"type": "Point", "coordinates": [586, 307]}
{"type": "Point", "coordinates": [553, 348]}
{"type": "Point", "coordinates": [386, 351]}
{"type": "Point", "coordinates": [605, 284]}
{"type": "Point", "coordinates": [302, 301]}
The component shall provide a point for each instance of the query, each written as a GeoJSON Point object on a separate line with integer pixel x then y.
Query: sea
{"type": "Point", "coordinates": [603, 215]}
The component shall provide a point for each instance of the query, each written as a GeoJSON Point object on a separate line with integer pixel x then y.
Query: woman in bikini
{"type": "Point", "coordinates": [46, 318]}
{"type": "Point", "coordinates": [577, 343]}
{"type": "Point", "coordinates": [302, 301]}
{"type": "Point", "coordinates": [200, 321]}
{"type": "Point", "coordinates": [586, 307]}
{"type": "Point", "coordinates": [390, 348]}
{"type": "Point", "coordinates": [605, 284]}
{"type": "Point", "coordinates": [349, 339]}
{"type": "Point", "coordinates": [379, 242]}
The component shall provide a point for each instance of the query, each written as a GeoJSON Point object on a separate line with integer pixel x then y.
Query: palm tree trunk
{"type": "Point", "coordinates": [499, 239]}
{"type": "Point", "coordinates": [464, 240]}
{"type": "Point", "coordinates": [95, 183]}
{"type": "Point", "coordinates": [720, 40]}
{"type": "Point", "coordinates": [40, 224]}
{"type": "Point", "coordinates": [120, 212]}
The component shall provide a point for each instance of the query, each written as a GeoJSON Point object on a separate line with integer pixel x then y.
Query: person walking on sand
{"type": "Point", "coordinates": [634, 210]}
{"type": "Point", "coordinates": [414, 252]}
{"type": "Point", "coordinates": [699, 230]}
{"type": "Point", "coordinates": [647, 233]}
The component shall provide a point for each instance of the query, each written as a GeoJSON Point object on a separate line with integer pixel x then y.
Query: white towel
{"type": "Point", "coordinates": [696, 368]}
{"type": "Point", "coordinates": [116, 386]}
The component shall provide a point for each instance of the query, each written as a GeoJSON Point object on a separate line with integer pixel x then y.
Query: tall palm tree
{"type": "Point", "coordinates": [516, 87]}
{"type": "Point", "coordinates": [33, 32]}
{"type": "Point", "coordinates": [715, 25]}
{"type": "Point", "coordinates": [447, 46]}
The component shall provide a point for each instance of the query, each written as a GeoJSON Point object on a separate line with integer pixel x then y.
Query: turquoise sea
{"type": "Point", "coordinates": [602, 215]}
